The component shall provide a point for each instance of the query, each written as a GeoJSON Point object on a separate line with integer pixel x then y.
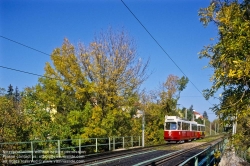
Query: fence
{"type": "Point", "coordinates": [52, 149]}
{"type": "Point", "coordinates": [205, 157]}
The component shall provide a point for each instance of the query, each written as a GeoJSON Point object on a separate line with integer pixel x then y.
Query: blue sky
{"type": "Point", "coordinates": [43, 24]}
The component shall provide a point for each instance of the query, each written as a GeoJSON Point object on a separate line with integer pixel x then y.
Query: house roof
{"type": "Point", "coordinates": [197, 113]}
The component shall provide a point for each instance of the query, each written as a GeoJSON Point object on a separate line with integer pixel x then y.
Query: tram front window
{"type": "Point", "coordinates": [171, 126]}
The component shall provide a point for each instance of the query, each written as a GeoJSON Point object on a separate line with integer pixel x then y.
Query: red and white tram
{"type": "Point", "coordinates": [180, 130]}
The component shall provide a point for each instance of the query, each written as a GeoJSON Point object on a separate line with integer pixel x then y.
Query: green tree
{"type": "Point", "coordinates": [12, 120]}
{"type": "Point", "coordinates": [16, 95]}
{"type": "Point", "coordinates": [190, 113]}
{"type": "Point", "coordinates": [205, 115]}
{"type": "Point", "coordinates": [199, 121]}
{"type": "Point", "coordinates": [43, 123]}
{"type": "Point", "coordinates": [229, 57]}
{"type": "Point", "coordinates": [10, 91]}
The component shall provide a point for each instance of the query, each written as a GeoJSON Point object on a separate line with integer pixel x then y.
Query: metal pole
{"type": "Point", "coordinates": [131, 141]}
{"type": "Point", "coordinates": [32, 151]}
{"type": "Point", "coordinates": [109, 144]}
{"type": "Point", "coordinates": [210, 128]}
{"type": "Point", "coordinates": [113, 143]}
{"type": "Point", "coordinates": [143, 126]}
{"type": "Point", "coordinates": [186, 113]}
{"type": "Point", "coordinates": [236, 121]}
{"type": "Point", "coordinates": [215, 129]}
{"type": "Point", "coordinates": [79, 146]}
{"type": "Point", "coordinates": [196, 161]}
{"type": "Point", "coordinates": [233, 128]}
{"type": "Point", "coordinates": [96, 145]}
{"type": "Point", "coordinates": [123, 142]}
{"type": "Point", "coordinates": [139, 141]}
{"type": "Point", "coordinates": [218, 128]}
{"type": "Point", "coordinates": [235, 125]}
{"type": "Point", "coordinates": [59, 153]}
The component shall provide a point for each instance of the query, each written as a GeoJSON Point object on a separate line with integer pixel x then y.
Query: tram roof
{"type": "Point", "coordinates": [178, 119]}
{"type": "Point", "coordinates": [175, 118]}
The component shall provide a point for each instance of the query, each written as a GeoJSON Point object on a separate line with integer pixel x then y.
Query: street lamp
{"type": "Point", "coordinates": [141, 113]}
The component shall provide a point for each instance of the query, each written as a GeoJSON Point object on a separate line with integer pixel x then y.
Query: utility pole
{"type": "Point", "coordinates": [210, 128]}
{"type": "Point", "coordinates": [234, 127]}
{"type": "Point", "coordinates": [235, 123]}
{"type": "Point", "coordinates": [143, 126]}
{"type": "Point", "coordinates": [192, 115]}
{"type": "Point", "coordinates": [215, 128]}
{"type": "Point", "coordinates": [218, 130]}
{"type": "Point", "coordinates": [186, 113]}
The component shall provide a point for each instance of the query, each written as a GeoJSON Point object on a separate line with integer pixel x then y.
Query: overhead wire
{"type": "Point", "coordinates": [21, 71]}
{"type": "Point", "coordinates": [17, 70]}
{"type": "Point", "coordinates": [163, 49]}
{"type": "Point", "coordinates": [24, 45]}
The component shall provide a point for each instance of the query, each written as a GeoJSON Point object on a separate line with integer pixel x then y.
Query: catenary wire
{"type": "Point", "coordinates": [24, 45]}
{"type": "Point", "coordinates": [21, 71]}
{"type": "Point", "coordinates": [162, 48]}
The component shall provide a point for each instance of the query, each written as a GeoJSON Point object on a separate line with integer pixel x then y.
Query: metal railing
{"type": "Point", "coordinates": [205, 157]}
{"type": "Point", "coordinates": [52, 149]}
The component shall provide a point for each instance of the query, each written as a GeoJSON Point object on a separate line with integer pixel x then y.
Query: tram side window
{"type": "Point", "coordinates": [194, 127]}
{"type": "Point", "coordinates": [171, 126]}
{"type": "Point", "coordinates": [202, 128]}
{"type": "Point", "coordinates": [185, 126]}
{"type": "Point", "coordinates": [179, 126]}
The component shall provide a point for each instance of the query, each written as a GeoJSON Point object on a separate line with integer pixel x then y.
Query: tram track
{"type": "Point", "coordinates": [167, 154]}
{"type": "Point", "coordinates": [157, 157]}
{"type": "Point", "coordinates": [178, 157]}
{"type": "Point", "coordinates": [91, 159]}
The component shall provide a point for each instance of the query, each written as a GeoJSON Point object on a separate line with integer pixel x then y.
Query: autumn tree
{"type": "Point", "coordinates": [170, 92]}
{"type": "Point", "coordinates": [229, 57]}
{"type": "Point", "coordinates": [113, 66]}
{"type": "Point", "coordinates": [161, 103]}
{"type": "Point", "coordinates": [107, 74]}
